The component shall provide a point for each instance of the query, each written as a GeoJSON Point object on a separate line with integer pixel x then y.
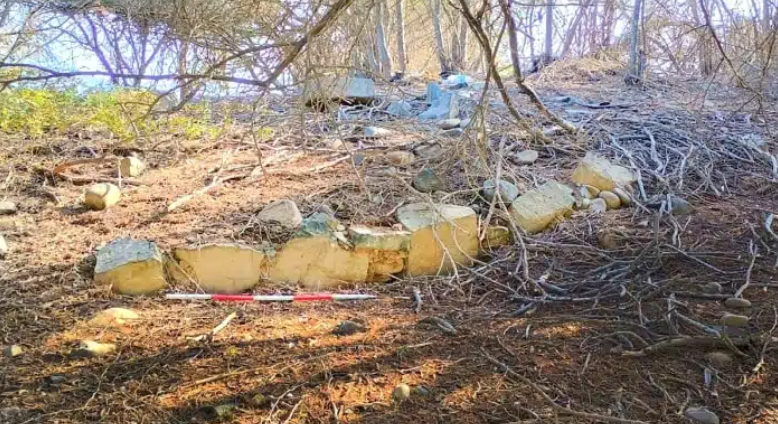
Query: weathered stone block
{"type": "Point", "coordinates": [101, 196]}
{"type": "Point", "coordinates": [130, 267]}
{"type": "Point", "coordinates": [221, 268]}
{"type": "Point", "coordinates": [318, 262]}
{"type": "Point", "coordinates": [442, 236]}
{"type": "Point", "coordinates": [131, 167]}
{"type": "Point", "coordinates": [386, 250]}
{"type": "Point", "coordinates": [327, 88]}
{"type": "Point", "coordinates": [597, 171]}
{"type": "Point", "coordinates": [538, 208]}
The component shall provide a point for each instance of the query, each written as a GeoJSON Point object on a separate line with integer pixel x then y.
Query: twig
{"type": "Point", "coordinates": [555, 406]}
{"type": "Point", "coordinates": [216, 329]}
{"type": "Point", "coordinates": [754, 251]}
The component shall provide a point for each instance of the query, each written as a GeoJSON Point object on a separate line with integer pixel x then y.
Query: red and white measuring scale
{"type": "Point", "coordinates": [304, 297]}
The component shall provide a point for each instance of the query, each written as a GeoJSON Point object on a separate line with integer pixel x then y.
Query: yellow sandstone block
{"type": "Point", "coordinates": [318, 262]}
{"type": "Point", "coordinates": [599, 172]}
{"type": "Point", "coordinates": [221, 268]}
{"type": "Point", "coordinates": [443, 236]}
{"type": "Point", "coordinates": [538, 208]}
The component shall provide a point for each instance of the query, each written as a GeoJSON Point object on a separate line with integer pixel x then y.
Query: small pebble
{"type": "Point", "coordinates": [448, 124]}
{"type": "Point", "coordinates": [737, 302]}
{"type": "Point", "coordinates": [701, 415]}
{"type": "Point", "coordinates": [400, 157]}
{"type": "Point", "coordinates": [421, 391]}
{"type": "Point", "coordinates": [712, 288]}
{"type": "Point", "coordinates": [452, 133]}
{"type": "Point", "coordinates": [598, 206]}
{"type": "Point", "coordinates": [7, 208]}
{"type": "Point", "coordinates": [611, 199]}
{"type": "Point", "coordinates": [526, 157]}
{"type": "Point", "coordinates": [679, 206]}
{"type": "Point", "coordinates": [13, 351]}
{"type": "Point", "coordinates": [719, 358]}
{"type": "Point", "coordinates": [348, 327]}
{"type": "Point", "coordinates": [90, 348]}
{"type": "Point", "coordinates": [734, 320]}
{"type": "Point", "coordinates": [3, 247]}
{"type": "Point", "coordinates": [401, 392]}
{"type": "Point", "coordinates": [593, 190]}
{"type": "Point", "coordinates": [625, 198]}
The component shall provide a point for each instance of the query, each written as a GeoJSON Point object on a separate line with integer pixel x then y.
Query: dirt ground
{"type": "Point", "coordinates": [281, 363]}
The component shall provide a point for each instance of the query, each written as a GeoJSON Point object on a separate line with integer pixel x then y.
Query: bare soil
{"type": "Point", "coordinates": [281, 363]}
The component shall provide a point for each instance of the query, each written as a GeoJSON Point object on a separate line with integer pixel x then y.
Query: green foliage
{"type": "Point", "coordinates": [122, 114]}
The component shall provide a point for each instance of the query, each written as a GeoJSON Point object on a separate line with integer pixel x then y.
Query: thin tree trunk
{"type": "Point", "coordinates": [400, 31]}
{"type": "Point", "coordinates": [633, 71]}
{"type": "Point", "coordinates": [568, 40]}
{"type": "Point", "coordinates": [445, 66]}
{"type": "Point", "coordinates": [549, 53]}
{"type": "Point", "coordinates": [766, 16]}
{"type": "Point", "coordinates": [383, 52]}
{"type": "Point", "coordinates": [464, 31]}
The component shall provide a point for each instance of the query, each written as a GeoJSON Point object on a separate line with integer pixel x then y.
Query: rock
{"type": "Point", "coordinates": [315, 258]}
{"type": "Point", "coordinates": [91, 348]}
{"type": "Point", "coordinates": [11, 414]}
{"type": "Point", "coordinates": [597, 171]}
{"type": "Point", "coordinates": [428, 151]}
{"type": "Point", "coordinates": [114, 317]}
{"type": "Point", "coordinates": [283, 213]}
{"type": "Point", "coordinates": [421, 391]}
{"type": "Point", "coordinates": [101, 196]}
{"type": "Point", "coordinates": [436, 229]}
{"type": "Point", "coordinates": [607, 239]}
{"type": "Point", "coordinates": [400, 157]}
{"type": "Point", "coordinates": [444, 106]}
{"type": "Point", "coordinates": [401, 392]}
{"type": "Point", "coordinates": [540, 207]}
{"type": "Point", "coordinates": [385, 171]}
{"type": "Point", "coordinates": [526, 157]}
{"type": "Point", "coordinates": [598, 206]}
{"type": "Point", "coordinates": [377, 132]}
{"type": "Point", "coordinates": [325, 209]}
{"type": "Point", "coordinates": [401, 109]}
{"type": "Point", "coordinates": [221, 268]}
{"type": "Point", "coordinates": [329, 88]}
{"type": "Point", "coordinates": [611, 199]}
{"type": "Point", "coordinates": [679, 206]}
{"type": "Point", "coordinates": [427, 182]}
{"type": "Point", "coordinates": [719, 358]}
{"type": "Point", "coordinates": [348, 327]}
{"type": "Point", "coordinates": [508, 192]}
{"type": "Point", "coordinates": [466, 123]}
{"type": "Point", "coordinates": [452, 133]}
{"type": "Point", "coordinates": [734, 320]}
{"type": "Point", "coordinates": [130, 267]}
{"type": "Point", "coordinates": [701, 415]}
{"type": "Point", "coordinates": [386, 250]}
{"type": "Point", "coordinates": [336, 144]}
{"type": "Point", "coordinates": [624, 197]}
{"type": "Point", "coordinates": [583, 203]}
{"type": "Point", "coordinates": [712, 288]}
{"type": "Point", "coordinates": [3, 247]}
{"type": "Point", "coordinates": [448, 124]}
{"type": "Point", "coordinates": [55, 379]}
{"type": "Point", "coordinates": [737, 303]}
{"type": "Point", "coordinates": [131, 166]}
{"type": "Point", "coordinates": [13, 351]}
{"type": "Point", "coordinates": [7, 208]}
{"type": "Point", "coordinates": [592, 190]}
{"type": "Point", "coordinates": [497, 236]}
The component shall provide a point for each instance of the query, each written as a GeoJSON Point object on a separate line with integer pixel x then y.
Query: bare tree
{"type": "Point", "coordinates": [402, 57]}
{"type": "Point", "coordinates": [634, 68]}
{"type": "Point", "coordinates": [445, 63]}
{"type": "Point", "coordinates": [384, 59]}
{"type": "Point", "coordinates": [549, 43]}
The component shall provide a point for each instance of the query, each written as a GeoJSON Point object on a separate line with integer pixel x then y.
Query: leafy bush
{"type": "Point", "coordinates": [35, 113]}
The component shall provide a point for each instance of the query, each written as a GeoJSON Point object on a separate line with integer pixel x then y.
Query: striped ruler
{"type": "Point", "coordinates": [304, 297]}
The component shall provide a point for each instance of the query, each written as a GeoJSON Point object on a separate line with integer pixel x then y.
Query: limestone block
{"type": "Point", "coordinates": [318, 262]}
{"type": "Point", "coordinates": [442, 236]}
{"type": "Point", "coordinates": [538, 208]}
{"type": "Point", "coordinates": [131, 166]}
{"type": "Point", "coordinates": [130, 267]}
{"type": "Point", "coordinates": [221, 268]}
{"type": "Point", "coordinates": [385, 248]}
{"type": "Point", "coordinates": [599, 172]}
{"type": "Point", "coordinates": [101, 196]}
